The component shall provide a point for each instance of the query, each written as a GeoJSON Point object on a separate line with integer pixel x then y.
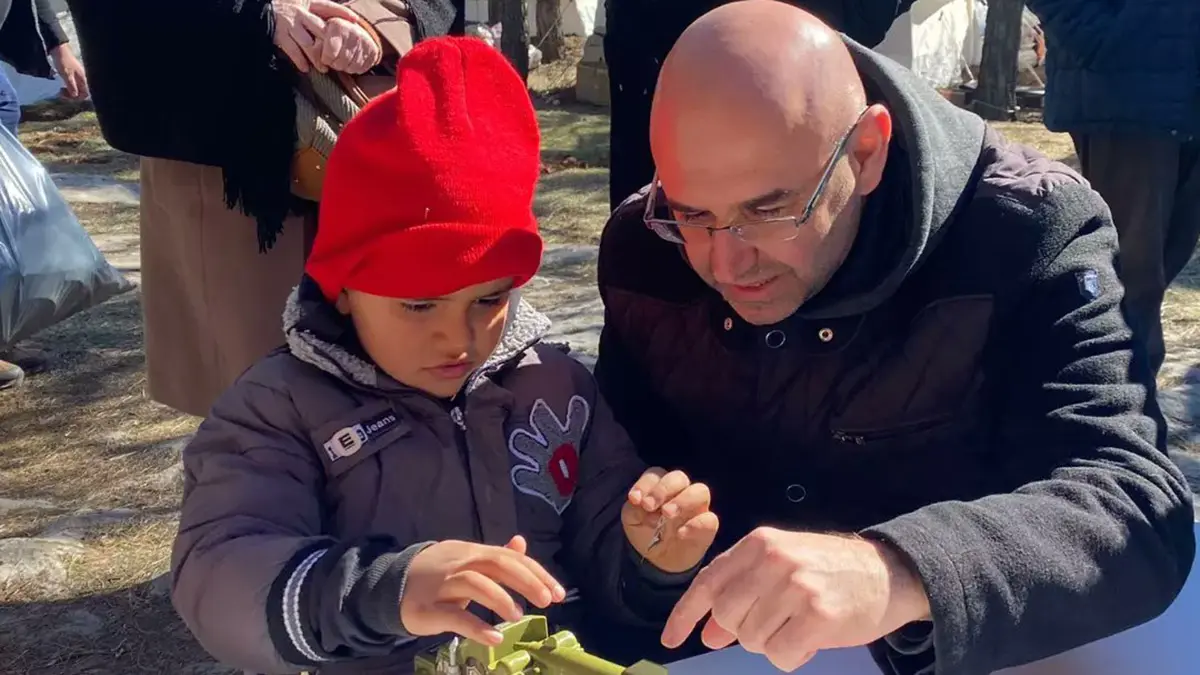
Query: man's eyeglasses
{"type": "Point", "coordinates": [760, 230]}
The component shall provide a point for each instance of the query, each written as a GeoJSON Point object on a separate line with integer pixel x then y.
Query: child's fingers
{"type": "Point", "coordinates": [670, 485]}
{"type": "Point", "coordinates": [701, 529]}
{"type": "Point", "coordinates": [517, 543]}
{"type": "Point", "coordinates": [520, 573]}
{"type": "Point", "coordinates": [644, 485]}
{"type": "Point", "coordinates": [692, 500]}
{"type": "Point", "coordinates": [472, 586]}
{"type": "Point", "coordinates": [459, 621]}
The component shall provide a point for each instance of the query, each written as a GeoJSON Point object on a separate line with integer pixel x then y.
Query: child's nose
{"type": "Point", "coordinates": [458, 336]}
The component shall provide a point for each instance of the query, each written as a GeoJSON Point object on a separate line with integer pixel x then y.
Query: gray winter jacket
{"type": "Point", "coordinates": [317, 478]}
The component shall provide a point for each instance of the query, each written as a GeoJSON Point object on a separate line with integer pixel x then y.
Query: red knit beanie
{"type": "Point", "coordinates": [429, 188]}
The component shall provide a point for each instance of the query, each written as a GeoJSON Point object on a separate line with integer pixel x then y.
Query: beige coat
{"type": "Point", "coordinates": [212, 302]}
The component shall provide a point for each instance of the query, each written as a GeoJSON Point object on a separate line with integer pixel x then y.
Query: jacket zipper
{"type": "Point", "coordinates": [865, 437]}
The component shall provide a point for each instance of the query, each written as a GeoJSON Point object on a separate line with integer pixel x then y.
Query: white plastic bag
{"type": "Point", "coordinates": [49, 267]}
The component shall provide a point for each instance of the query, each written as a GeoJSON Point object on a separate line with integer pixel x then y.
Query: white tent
{"type": "Point", "coordinates": [579, 17]}
{"type": "Point", "coordinates": [942, 40]}
{"type": "Point", "coordinates": [932, 39]}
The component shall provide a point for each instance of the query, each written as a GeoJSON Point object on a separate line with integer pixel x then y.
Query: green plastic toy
{"type": "Point", "coordinates": [527, 649]}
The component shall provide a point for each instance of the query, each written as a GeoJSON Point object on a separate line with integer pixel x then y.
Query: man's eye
{"type": "Point", "coordinates": [769, 212]}
{"type": "Point", "coordinates": [418, 306]}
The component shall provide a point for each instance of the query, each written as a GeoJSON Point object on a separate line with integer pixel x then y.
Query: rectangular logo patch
{"type": "Point", "coordinates": [1089, 284]}
{"type": "Point", "coordinates": [346, 441]}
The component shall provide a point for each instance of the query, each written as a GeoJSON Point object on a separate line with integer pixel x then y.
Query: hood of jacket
{"type": "Point", "coordinates": [318, 334]}
{"type": "Point", "coordinates": [942, 145]}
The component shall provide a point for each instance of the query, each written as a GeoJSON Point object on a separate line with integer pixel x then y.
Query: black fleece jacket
{"type": "Point", "coordinates": [969, 393]}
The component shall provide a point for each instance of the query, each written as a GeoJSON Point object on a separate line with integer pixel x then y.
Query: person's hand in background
{"type": "Point", "coordinates": [68, 67]}
{"type": "Point", "coordinates": [300, 28]}
{"type": "Point", "coordinates": [347, 47]}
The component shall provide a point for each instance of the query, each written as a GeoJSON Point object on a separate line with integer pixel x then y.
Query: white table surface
{"type": "Point", "coordinates": [1168, 645]}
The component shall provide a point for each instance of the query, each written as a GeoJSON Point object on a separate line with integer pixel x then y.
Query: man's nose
{"type": "Point", "coordinates": [729, 257]}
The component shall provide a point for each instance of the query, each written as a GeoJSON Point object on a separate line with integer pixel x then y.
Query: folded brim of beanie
{"type": "Point", "coordinates": [435, 259]}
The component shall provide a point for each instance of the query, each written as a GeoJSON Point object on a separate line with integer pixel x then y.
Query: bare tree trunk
{"type": "Point", "coordinates": [495, 11]}
{"type": "Point", "coordinates": [996, 95]}
{"type": "Point", "coordinates": [549, 29]}
{"type": "Point", "coordinates": [514, 39]}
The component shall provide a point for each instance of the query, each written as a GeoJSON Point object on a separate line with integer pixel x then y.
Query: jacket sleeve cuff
{"type": "Point", "coordinates": [655, 577]}
{"type": "Point", "coordinates": [382, 589]}
{"type": "Point", "coordinates": [648, 593]}
{"type": "Point", "coordinates": [935, 567]}
{"type": "Point", "coordinates": [287, 623]}
{"type": "Point", "coordinates": [50, 27]}
{"type": "Point", "coordinates": [912, 639]}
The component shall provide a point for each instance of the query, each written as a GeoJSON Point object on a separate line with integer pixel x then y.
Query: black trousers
{"type": "Point", "coordinates": [1152, 185]}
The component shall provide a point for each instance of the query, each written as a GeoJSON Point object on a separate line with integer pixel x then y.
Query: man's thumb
{"type": "Point", "coordinates": [326, 9]}
{"type": "Point", "coordinates": [517, 543]}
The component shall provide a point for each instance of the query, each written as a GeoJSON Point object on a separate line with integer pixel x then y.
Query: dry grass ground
{"type": "Point", "coordinates": [82, 438]}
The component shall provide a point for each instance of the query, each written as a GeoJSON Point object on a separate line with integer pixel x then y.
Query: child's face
{"type": "Point", "coordinates": [432, 344]}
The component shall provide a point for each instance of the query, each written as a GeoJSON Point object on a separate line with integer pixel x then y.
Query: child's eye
{"type": "Point", "coordinates": [417, 306]}
{"type": "Point", "coordinates": [493, 300]}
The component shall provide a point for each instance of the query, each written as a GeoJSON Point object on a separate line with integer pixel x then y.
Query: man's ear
{"type": "Point", "coordinates": [869, 147]}
{"type": "Point", "coordinates": [343, 303]}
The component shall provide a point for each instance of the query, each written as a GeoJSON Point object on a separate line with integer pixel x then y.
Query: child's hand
{"type": "Point", "coordinates": [444, 578]}
{"type": "Point", "coordinates": [688, 526]}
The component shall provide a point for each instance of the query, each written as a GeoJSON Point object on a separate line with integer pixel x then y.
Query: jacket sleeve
{"type": "Point", "coordinates": [51, 30]}
{"type": "Point", "coordinates": [1096, 535]}
{"type": "Point", "coordinates": [1082, 27]}
{"type": "Point", "coordinates": [611, 574]}
{"type": "Point", "coordinates": [434, 18]}
{"type": "Point", "coordinates": [868, 21]}
{"type": "Point", "coordinates": [254, 579]}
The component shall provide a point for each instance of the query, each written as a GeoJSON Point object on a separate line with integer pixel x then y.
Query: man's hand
{"type": "Point", "coordinates": [688, 529]}
{"type": "Point", "coordinates": [787, 595]}
{"type": "Point", "coordinates": [449, 575]}
{"type": "Point", "coordinates": [75, 84]}
{"type": "Point", "coordinates": [300, 28]}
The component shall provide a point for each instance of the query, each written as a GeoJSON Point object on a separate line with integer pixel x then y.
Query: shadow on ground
{"type": "Point", "coordinates": [130, 631]}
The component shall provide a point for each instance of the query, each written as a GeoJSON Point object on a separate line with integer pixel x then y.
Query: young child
{"type": "Point", "coordinates": [416, 453]}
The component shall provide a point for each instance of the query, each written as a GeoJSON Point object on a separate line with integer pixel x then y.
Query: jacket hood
{"type": "Point", "coordinates": [322, 337]}
{"type": "Point", "coordinates": [943, 144]}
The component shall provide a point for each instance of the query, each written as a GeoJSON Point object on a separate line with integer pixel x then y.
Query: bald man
{"type": "Point", "coordinates": [639, 33]}
{"type": "Point", "coordinates": [890, 342]}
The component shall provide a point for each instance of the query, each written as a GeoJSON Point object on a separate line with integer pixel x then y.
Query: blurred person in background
{"type": "Point", "coordinates": [638, 35]}
{"type": "Point", "coordinates": [1124, 80]}
{"type": "Point", "coordinates": [204, 92]}
{"type": "Point", "coordinates": [34, 43]}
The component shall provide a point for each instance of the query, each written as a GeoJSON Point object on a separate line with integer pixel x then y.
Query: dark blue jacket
{"type": "Point", "coordinates": [1122, 65]}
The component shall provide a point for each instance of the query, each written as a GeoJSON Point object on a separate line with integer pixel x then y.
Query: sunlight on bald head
{"type": "Point", "coordinates": [752, 88]}
{"type": "Point", "coordinates": [751, 107]}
